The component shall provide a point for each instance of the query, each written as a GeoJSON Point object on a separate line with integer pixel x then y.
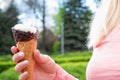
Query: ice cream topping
{"type": "Point", "coordinates": [24, 33]}
{"type": "Point", "coordinates": [25, 28]}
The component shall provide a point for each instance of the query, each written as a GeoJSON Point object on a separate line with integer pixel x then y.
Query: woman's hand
{"type": "Point", "coordinates": [45, 67]}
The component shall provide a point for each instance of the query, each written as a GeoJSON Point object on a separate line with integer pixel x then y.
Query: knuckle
{"type": "Point", "coordinates": [21, 65]}
{"type": "Point", "coordinates": [17, 57]}
{"type": "Point", "coordinates": [23, 76]}
{"type": "Point", "coordinates": [20, 77]}
{"type": "Point", "coordinates": [17, 68]}
{"type": "Point", "coordinates": [13, 58]}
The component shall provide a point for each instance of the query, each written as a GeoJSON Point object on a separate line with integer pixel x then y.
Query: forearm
{"type": "Point", "coordinates": [63, 75]}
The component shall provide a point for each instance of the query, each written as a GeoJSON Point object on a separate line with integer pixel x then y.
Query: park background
{"type": "Point", "coordinates": [63, 25]}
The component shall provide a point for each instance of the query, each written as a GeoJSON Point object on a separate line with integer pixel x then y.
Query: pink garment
{"type": "Point", "coordinates": [105, 61]}
{"type": "Point", "coordinates": [63, 75]}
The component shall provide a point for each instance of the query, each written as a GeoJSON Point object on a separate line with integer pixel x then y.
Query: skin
{"type": "Point", "coordinates": [45, 67]}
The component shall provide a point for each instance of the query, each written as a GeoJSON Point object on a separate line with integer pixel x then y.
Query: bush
{"type": "Point", "coordinates": [5, 65]}
{"type": "Point", "coordinates": [6, 58]}
{"type": "Point", "coordinates": [76, 69]}
{"type": "Point", "coordinates": [56, 47]}
{"type": "Point", "coordinates": [72, 54]}
{"type": "Point", "coordinates": [9, 74]}
{"type": "Point", "coordinates": [6, 62]}
{"type": "Point", "coordinates": [72, 59]}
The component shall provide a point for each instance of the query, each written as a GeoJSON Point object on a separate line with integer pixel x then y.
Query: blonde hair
{"type": "Point", "coordinates": [104, 20]}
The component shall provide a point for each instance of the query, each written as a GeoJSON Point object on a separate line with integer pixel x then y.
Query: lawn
{"type": "Point", "coordinates": [74, 63]}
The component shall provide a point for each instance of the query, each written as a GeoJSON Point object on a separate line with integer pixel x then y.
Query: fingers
{"type": "Point", "coordinates": [18, 57]}
{"type": "Point", "coordinates": [21, 66]}
{"type": "Point", "coordinates": [14, 49]}
{"type": "Point", "coordinates": [23, 76]}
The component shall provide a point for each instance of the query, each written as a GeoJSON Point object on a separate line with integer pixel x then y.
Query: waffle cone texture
{"type": "Point", "coordinates": [28, 48]}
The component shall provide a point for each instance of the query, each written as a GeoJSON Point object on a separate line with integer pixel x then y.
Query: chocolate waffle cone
{"type": "Point", "coordinates": [28, 47]}
{"type": "Point", "coordinates": [26, 42]}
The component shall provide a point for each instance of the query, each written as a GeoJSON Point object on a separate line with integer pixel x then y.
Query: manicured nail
{"type": "Point", "coordinates": [25, 62]}
{"type": "Point", "coordinates": [21, 54]}
{"type": "Point", "coordinates": [25, 73]}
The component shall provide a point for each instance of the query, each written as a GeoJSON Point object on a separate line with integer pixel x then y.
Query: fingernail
{"type": "Point", "coordinates": [21, 54]}
{"type": "Point", "coordinates": [25, 62]}
{"type": "Point", "coordinates": [25, 73]}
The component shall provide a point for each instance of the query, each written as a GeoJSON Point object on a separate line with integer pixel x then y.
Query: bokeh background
{"type": "Point", "coordinates": [63, 29]}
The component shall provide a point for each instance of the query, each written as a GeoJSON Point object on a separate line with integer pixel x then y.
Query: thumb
{"type": "Point", "coordinates": [40, 58]}
{"type": "Point", "coordinates": [45, 62]}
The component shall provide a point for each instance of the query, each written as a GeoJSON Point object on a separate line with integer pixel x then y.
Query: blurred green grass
{"type": "Point", "coordinates": [74, 63]}
{"type": "Point", "coordinates": [9, 74]}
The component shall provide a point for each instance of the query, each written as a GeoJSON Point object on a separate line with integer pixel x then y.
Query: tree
{"type": "Point", "coordinates": [39, 6]}
{"type": "Point", "coordinates": [7, 20]}
{"type": "Point", "coordinates": [76, 18]}
{"type": "Point", "coordinates": [58, 21]}
{"type": "Point", "coordinates": [97, 2]}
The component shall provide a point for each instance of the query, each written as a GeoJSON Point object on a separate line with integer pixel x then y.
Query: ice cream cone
{"type": "Point", "coordinates": [26, 42]}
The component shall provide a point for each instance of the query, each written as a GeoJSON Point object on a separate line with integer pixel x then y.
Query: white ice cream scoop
{"type": "Point", "coordinates": [25, 28]}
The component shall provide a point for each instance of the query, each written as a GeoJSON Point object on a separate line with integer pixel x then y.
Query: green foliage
{"type": "Point", "coordinates": [7, 20]}
{"type": "Point", "coordinates": [58, 21]}
{"type": "Point", "coordinates": [76, 18]}
{"type": "Point", "coordinates": [5, 62]}
{"type": "Point", "coordinates": [72, 54]}
{"type": "Point", "coordinates": [56, 46]}
{"type": "Point", "coordinates": [9, 74]}
{"type": "Point", "coordinates": [72, 59]}
{"type": "Point", "coordinates": [6, 65]}
{"type": "Point", "coordinates": [5, 58]}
